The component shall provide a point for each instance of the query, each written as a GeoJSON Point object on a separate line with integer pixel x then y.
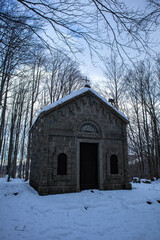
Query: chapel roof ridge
{"type": "Point", "coordinates": [77, 93]}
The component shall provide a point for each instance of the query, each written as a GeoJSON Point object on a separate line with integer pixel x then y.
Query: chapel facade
{"type": "Point", "coordinates": [78, 143]}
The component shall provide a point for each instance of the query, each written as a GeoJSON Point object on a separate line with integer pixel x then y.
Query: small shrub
{"type": "Point", "coordinates": [16, 193]}
{"type": "Point", "coordinates": [147, 181]}
{"type": "Point", "coordinates": [85, 207]}
{"type": "Point", "coordinates": [136, 180]}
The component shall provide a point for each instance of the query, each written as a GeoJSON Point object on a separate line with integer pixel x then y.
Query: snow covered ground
{"type": "Point", "coordinates": [98, 215]}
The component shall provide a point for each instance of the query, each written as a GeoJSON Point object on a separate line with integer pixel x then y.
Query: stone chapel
{"type": "Point", "coordinates": [79, 142]}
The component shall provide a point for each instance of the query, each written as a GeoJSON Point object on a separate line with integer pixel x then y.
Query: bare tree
{"type": "Point", "coordinates": [13, 51]}
{"type": "Point", "coordinates": [114, 73]}
{"type": "Point", "coordinates": [23, 137]}
{"type": "Point", "coordinates": [144, 118]}
{"type": "Point", "coordinates": [97, 23]}
{"type": "Point", "coordinates": [62, 76]}
{"type": "Point", "coordinates": [152, 16]}
{"type": "Point", "coordinates": [21, 98]}
{"type": "Point", "coordinates": [35, 75]}
{"type": "Point", "coordinates": [11, 141]}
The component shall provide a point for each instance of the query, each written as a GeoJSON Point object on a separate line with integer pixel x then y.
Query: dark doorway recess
{"type": "Point", "coordinates": [88, 166]}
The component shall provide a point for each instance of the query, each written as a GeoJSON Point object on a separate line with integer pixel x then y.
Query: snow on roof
{"type": "Point", "coordinates": [75, 94]}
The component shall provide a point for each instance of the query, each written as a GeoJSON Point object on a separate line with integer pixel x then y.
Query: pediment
{"type": "Point", "coordinates": [85, 100]}
{"type": "Point", "coordinates": [89, 103]}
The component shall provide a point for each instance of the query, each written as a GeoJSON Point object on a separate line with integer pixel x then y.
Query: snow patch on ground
{"type": "Point", "coordinates": [97, 215]}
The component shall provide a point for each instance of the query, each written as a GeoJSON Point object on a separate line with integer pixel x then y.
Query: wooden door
{"type": "Point", "coordinates": [88, 166]}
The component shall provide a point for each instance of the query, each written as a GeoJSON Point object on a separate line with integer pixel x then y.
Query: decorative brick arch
{"type": "Point", "coordinates": [87, 127]}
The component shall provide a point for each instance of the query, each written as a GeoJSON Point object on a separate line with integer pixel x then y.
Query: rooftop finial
{"type": "Point", "coordinates": [87, 83]}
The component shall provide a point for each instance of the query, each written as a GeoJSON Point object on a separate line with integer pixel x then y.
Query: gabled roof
{"type": "Point", "coordinates": [75, 94]}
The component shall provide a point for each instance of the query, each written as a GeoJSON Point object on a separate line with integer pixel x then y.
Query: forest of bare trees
{"type": "Point", "coordinates": [31, 77]}
{"type": "Point", "coordinates": [36, 69]}
{"type": "Point", "coordinates": [143, 94]}
{"type": "Point", "coordinates": [28, 87]}
{"type": "Point", "coordinates": [136, 92]}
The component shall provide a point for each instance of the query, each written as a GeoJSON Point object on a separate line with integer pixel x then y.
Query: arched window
{"type": "Point", "coordinates": [114, 164]}
{"type": "Point", "coordinates": [62, 164]}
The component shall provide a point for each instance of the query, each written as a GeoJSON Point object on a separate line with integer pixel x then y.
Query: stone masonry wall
{"type": "Point", "coordinates": [60, 132]}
